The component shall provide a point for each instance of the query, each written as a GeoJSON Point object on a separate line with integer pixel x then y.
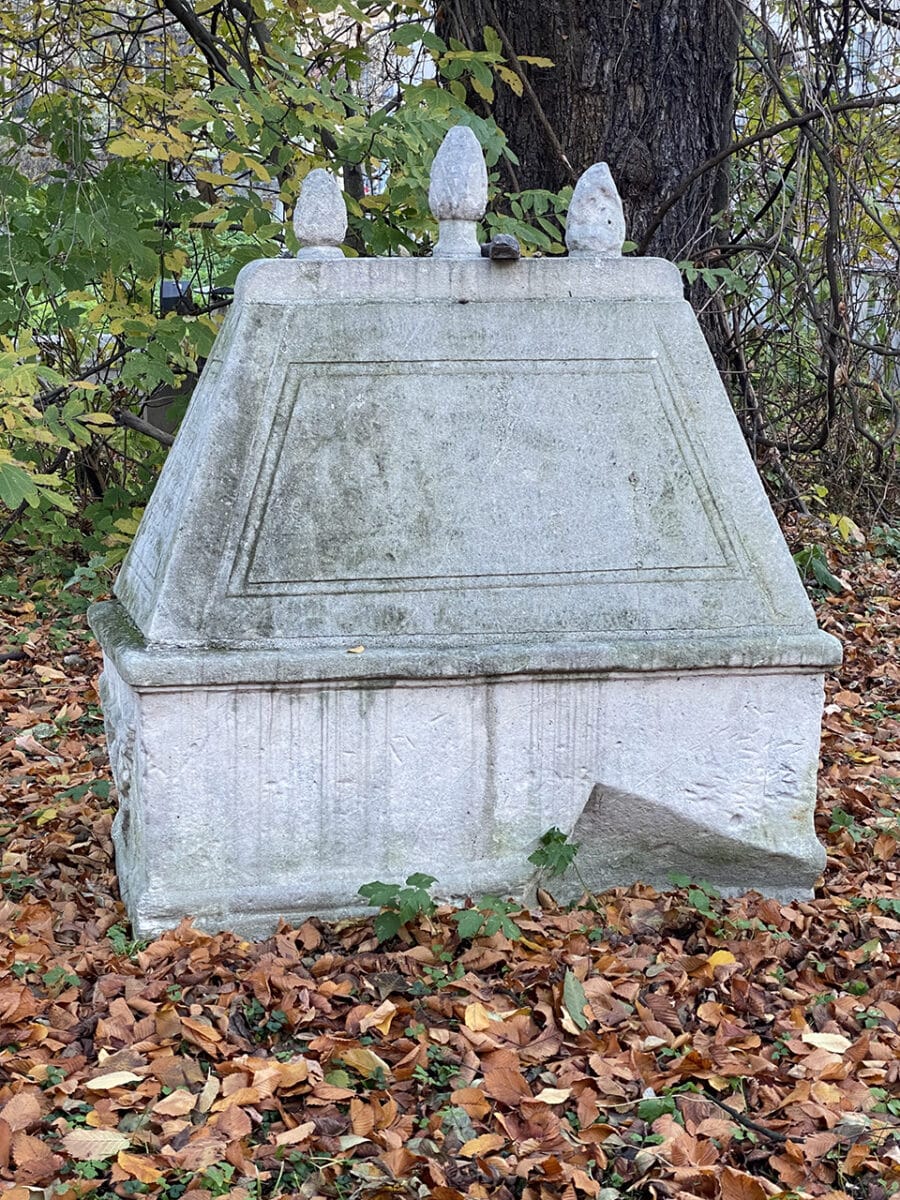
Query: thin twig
{"type": "Point", "coordinates": [128, 420]}
{"type": "Point", "coordinates": [751, 139]}
{"type": "Point", "coordinates": [746, 1121]}
{"type": "Point", "coordinates": [510, 53]}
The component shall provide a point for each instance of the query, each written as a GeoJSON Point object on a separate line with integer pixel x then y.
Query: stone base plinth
{"type": "Point", "coordinates": [242, 802]}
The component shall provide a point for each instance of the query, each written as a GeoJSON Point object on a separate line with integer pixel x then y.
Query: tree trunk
{"type": "Point", "coordinates": [646, 85]}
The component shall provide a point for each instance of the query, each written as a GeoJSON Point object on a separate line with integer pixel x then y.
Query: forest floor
{"type": "Point", "coordinates": [648, 1045]}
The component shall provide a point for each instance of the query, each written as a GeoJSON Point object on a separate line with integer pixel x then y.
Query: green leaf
{"type": "Point", "coordinates": [379, 893]}
{"type": "Point", "coordinates": [555, 853]}
{"type": "Point", "coordinates": [420, 881]}
{"type": "Point", "coordinates": [406, 35]}
{"type": "Point", "coordinates": [574, 999]}
{"type": "Point", "coordinates": [58, 500]}
{"type": "Point", "coordinates": [492, 40]}
{"type": "Point", "coordinates": [811, 560]}
{"type": "Point", "coordinates": [481, 73]}
{"type": "Point", "coordinates": [387, 925]}
{"type": "Point", "coordinates": [469, 922]}
{"type": "Point", "coordinates": [824, 576]}
{"type": "Point", "coordinates": [700, 900]}
{"type": "Point", "coordinates": [339, 1079]}
{"type": "Point", "coordinates": [16, 486]}
{"type": "Point", "coordinates": [414, 902]}
{"type": "Point", "coordinates": [509, 928]}
{"type": "Point", "coordinates": [654, 1107]}
{"type": "Point", "coordinates": [457, 1121]}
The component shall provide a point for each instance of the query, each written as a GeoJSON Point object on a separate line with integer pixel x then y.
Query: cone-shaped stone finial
{"type": "Point", "coordinates": [320, 216]}
{"type": "Point", "coordinates": [458, 193]}
{"type": "Point", "coordinates": [596, 222]}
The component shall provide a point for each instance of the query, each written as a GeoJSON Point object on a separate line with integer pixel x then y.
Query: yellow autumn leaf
{"type": "Point", "coordinates": [529, 945]}
{"type": "Point", "coordinates": [384, 1025]}
{"type": "Point", "coordinates": [365, 1061]}
{"type": "Point", "coordinates": [126, 147]}
{"type": "Point", "coordinates": [258, 170]}
{"type": "Point", "coordinates": [477, 1017]}
{"type": "Point", "coordinates": [553, 1095]}
{"type": "Point", "coordinates": [380, 1018]}
{"type": "Point", "coordinates": [485, 92]}
{"type": "Point", "coordinates": [511, 79]}
{"type": "Point", "coordinates": [175, 261]}
{"type": "Point", "coordinates": [721, 958]}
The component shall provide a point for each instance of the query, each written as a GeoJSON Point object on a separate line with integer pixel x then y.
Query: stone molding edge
{"type": "Point", "coordinates": [146, 666]}
{"type": "Point", "coordinates": [304, 280]}
{"type": "Point", "coordinates": [342, 900]}
{"type": "Point", "coordinates": [254, 912]}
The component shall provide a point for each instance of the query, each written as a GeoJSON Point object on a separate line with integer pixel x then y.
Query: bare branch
{"type": "Point", "coordinates": [128, 420]}
{"type": "Point", "coordinates": [797, 122]}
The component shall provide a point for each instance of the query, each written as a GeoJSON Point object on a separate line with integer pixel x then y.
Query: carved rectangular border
{"type": "Point", "coordinates": [240, 586]}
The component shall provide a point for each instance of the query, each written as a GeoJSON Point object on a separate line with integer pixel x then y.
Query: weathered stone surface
{"type": "Point", "coordinates": [531, 466]}
{"type": "Point", "coordinates": [447, 553]}
{"type": "Point", "coordinates": [458, 193]}
{"type": "Point", "coordinates": [595, 224]}
{"type": "Point", "coordinates": [459, 182]}
{"type": "Point", "coordinates": [320, 216]}
{"type": "Point", "coordinates": [333, 784]}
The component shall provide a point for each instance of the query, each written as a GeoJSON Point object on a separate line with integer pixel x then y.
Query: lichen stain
{"type": "Point", "coordinates": [390, 618]}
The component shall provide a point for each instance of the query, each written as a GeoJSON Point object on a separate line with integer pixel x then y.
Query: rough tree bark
{"type": "Point", "coordinates": [646, 85]}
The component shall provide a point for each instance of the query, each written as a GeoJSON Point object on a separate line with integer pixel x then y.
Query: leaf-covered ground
{"type": "Point", "coordinates": [652, 1046]}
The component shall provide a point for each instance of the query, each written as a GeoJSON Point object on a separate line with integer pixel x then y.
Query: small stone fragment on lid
{"type": "Point", "coordinates": [320, 216]}
{"type": "Point", "coordinates": [458, 193]}
{"type": "Point", "coordinates": [596, 222]}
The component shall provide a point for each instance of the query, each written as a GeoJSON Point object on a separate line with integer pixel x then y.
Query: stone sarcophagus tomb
{"type": "Point", "coordinates": [448, 552]}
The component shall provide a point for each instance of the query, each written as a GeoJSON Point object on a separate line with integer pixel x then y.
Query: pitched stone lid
{"type": "Point", "coordinates": [462, 458]}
